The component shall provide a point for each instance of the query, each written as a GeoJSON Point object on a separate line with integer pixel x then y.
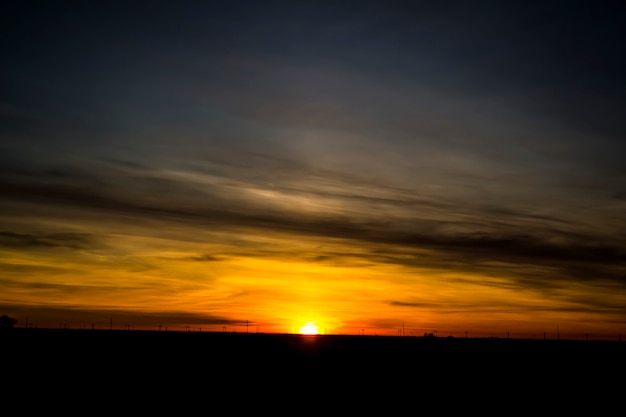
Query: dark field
{"type": "Point", "coordinates": [376, 368]}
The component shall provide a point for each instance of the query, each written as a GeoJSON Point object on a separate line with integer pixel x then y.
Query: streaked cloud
{"type": "Point", "coordinates": [393, 164]}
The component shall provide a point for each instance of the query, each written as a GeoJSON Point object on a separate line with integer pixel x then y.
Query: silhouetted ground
{"type": "Point", "coordinates": [208, 366]}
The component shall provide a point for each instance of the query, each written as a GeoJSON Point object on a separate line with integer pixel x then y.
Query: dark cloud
{"type": "Point", "coordinates": [204, 258]}
{"type": "Point", "coordinates": [83, 317]}
{"type": "Point", "coordinates": [45, 240]}
{"type": "Point", "coordinates": [480, 138]}
{"type": "Point", "coordinates": [614, 311]}
{"type": "Point", "coordinates": [70, 288]}
{"type": "Point", "coordinates": [569, 254]}
{"type": "Point", "coordinates": [28, 269]}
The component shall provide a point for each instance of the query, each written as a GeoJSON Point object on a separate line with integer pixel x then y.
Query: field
{"type": "Point", "coordinates": [118, 363]}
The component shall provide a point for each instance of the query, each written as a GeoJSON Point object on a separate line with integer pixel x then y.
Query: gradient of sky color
{"type": "Point", "coordinates": [370, 166]}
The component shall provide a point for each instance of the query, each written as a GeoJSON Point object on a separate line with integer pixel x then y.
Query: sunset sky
{"type": "Point", "coordinates": [374, 167]}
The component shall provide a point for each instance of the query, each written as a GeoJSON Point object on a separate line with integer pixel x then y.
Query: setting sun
{"type": "Point", "coordinates": [309, 328]}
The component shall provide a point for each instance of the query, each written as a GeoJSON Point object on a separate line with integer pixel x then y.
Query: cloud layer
{"type": "Point", "coordinates": [440, 165]}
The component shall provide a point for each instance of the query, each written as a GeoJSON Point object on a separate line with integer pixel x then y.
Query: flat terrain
{"type": "Point", "coordinates": [101, 361]}
{"type": "Point", "coordinates": [204, 349]}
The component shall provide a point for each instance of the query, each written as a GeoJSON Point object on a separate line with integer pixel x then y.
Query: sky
{"type": "Point", "coordinates": [371, 167]}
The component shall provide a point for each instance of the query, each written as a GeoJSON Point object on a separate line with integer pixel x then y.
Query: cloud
{"type": "Point", "coordinates": [391, 226]}
{"type": "Point", "coordinates": [204, 258]}
{"type": "Point", "coordinates": [69, 240]}
{"type": "Point", "coordinates": [83, 317]}
{"type": "Point", "coordinates": [514, 307]}
{"type": "Point", "coordinates": [410, 147]}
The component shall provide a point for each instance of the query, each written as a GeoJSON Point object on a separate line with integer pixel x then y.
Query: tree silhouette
{"type": "Point", "coordinates": [7, 322]}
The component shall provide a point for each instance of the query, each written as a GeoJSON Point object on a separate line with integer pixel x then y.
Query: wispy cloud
{"type": "Point", "coordinates": [320, 159]}
{"type": "Point", "coordinates": [35, 240]}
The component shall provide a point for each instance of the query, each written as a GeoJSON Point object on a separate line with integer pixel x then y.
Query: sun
{"type": "Point", "coordinates": [309, 328]}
